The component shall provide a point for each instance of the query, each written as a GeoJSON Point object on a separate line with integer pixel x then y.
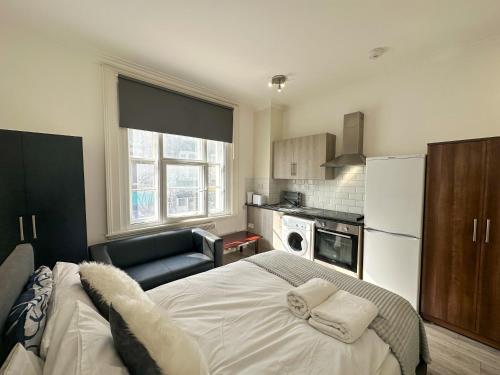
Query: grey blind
{"type": "Point", "coordinates": [147, 107]}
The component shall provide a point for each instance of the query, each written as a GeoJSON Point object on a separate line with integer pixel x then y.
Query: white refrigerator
{"type": "Point", "coordinates": [394, 206]}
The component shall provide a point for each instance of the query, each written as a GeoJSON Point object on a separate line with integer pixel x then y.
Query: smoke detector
{"type": "Point", "coordinates": [377, 52]}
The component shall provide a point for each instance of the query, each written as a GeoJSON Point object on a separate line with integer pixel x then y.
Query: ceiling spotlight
{"type": "Point", "coordinates": [278, 81]}
{"type": "Point", "coordinates": [377, 52]}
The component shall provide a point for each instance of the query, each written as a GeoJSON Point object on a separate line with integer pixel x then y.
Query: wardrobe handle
{"type": "Point", "coordinates": [21, 228]}
{"type": "Point", "coordinates": [487, 237]}
{"type": "Point", "coordinates": [33, 222]}
{"type": "Point", "coordinates": [474, 231]}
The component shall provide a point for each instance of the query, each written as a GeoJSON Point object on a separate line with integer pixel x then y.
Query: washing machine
{"type": "Point", "coordinates": [298, 236]}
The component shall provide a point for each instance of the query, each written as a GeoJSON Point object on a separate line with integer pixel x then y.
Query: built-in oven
{"type": "Point", "coordinates": [339, 245]}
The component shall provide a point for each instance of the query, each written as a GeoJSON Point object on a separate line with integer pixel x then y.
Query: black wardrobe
{"type": "Point", "coordinates": [42, 196]}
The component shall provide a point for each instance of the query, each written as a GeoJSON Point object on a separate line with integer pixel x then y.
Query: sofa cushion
{"type": "Point", "coordinates": [137, 250]}
{"type": "Point", "coordinates": [161, 271]}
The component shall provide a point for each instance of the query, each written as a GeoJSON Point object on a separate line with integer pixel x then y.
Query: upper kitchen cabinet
{"type": "Point", "coordinates": [301, 158]}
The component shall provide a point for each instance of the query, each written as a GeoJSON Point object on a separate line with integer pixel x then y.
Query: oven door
{"type": "Point", "coordinates": [339, 249]}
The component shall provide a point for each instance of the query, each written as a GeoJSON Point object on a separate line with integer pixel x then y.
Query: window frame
{"type": "Point", "coordinates": [161, 162]}
{"type": "Point", "coordinates": [116, 152]}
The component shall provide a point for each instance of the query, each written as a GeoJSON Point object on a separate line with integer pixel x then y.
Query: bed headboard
{"type": "Point", "coordinates": [14, 274]}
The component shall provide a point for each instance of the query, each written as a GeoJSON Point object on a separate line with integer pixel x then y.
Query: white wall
{"type": "Point", "coordinates": [454, 94]}
{"type": "Point", "coordinates": [52, 88]}
{"type": "Point", "coordinates": [268, 127]}
{"type": "Point", "coordinates": [261, 146]}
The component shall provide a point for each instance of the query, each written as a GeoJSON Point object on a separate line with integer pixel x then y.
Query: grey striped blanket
{"type": "Point", "coordinates": [397, 323]}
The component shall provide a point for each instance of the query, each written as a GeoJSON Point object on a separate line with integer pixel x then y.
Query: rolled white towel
{"type": "Point", "coordinates": [302, 299]}
{"type": "Point", "coordinates": [343, 316]}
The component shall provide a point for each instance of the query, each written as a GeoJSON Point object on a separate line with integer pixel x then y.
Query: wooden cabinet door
{"type": "Point", "coordinates": [299, 151]}
{"type": "Point", "coordinates": [454, 193]}
{"type": "Point", "coordinates": [12, 194]}
{"type": "Point", "coordinates": [304, 157]}
{"type": "Point", "coordinates": [488, 322]}
{"type": "Point", "coordinates": [321, 148]}
{"type": "Point", "coordinates": [282, 159]}
{"type": "Point", "coordinates": [260, 221]}
{"type": "Point", "coordinates": [301, 158]}
{"type": "Point", "coordinates": [277, 228]}
{"type": "Point", "coordinates": [278, 159]}
{"type": "Point", "coordinates": [310, 153]}
{"type": "Point", "coordinates": [55, 194]}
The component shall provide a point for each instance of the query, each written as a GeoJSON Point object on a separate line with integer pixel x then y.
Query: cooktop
{"type": "Point", "coordinates": [317, 213]}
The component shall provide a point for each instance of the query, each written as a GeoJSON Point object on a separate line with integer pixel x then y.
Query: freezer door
{"type": "Point", "coordinates": [393, 263]}
{"type": "Point", "coordinates": [395, 194]}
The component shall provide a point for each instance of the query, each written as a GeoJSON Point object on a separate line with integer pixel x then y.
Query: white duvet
{"type": "Point", "coordinates": [239, 316]}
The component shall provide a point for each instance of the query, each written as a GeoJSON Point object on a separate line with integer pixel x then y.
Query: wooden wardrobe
{"type": "Point", "coordinates": [461, 255]}
{"type": "Point", "coordinates": [42, 196]}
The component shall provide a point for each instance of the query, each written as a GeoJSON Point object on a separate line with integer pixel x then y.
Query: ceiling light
{"type": "Point", "coordinates": [377, 52]}
{"type": "Point", "coordinates": [278, 81]}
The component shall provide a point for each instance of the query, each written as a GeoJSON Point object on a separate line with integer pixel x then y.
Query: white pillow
{"type": "Point", "coordinates": [147, 339]}
{"type": "Point", "coordinates": [67, 290]}
{"type": "Point", "coordinates": [86, 347]}
{"type": "Point", "coordinates": [21, 361]}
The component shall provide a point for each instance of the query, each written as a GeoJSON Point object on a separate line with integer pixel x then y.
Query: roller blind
{"type": "Point", "coordinates": [148, 107]}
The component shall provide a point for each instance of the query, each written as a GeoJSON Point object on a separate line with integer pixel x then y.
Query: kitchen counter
{"type": "Point", "coordinates": [315, 213]}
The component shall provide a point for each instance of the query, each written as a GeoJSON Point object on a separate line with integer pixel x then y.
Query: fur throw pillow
{"type": "Point", "coordinates": [104, 282]}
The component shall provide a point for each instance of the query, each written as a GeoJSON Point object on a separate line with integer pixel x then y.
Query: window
{"type": "Point", "coordinates": [172, 177]}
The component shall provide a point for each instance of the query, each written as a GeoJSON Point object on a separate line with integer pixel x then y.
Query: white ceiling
{"type": "Point", "coordinates": [235, 46]}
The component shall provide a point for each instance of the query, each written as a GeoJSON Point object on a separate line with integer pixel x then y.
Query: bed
{"type": "Point", "coordinates": [239, 317]}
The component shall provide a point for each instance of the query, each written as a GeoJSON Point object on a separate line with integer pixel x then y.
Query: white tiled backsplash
{"type": "Point", "coordinates": [346, 192]}
{"type": "Point", "coordinates": [267, 186]}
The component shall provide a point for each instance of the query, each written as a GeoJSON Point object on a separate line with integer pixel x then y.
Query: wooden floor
{"type": "Point", "coordinates": [452, 354]}
{"type": "Point", "coordinates": [455, 354]}
{"type": "Point", "coordinates": [237, 255]}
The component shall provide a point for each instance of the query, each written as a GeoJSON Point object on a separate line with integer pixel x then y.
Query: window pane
{"type": "Point", "coordinates": [215, 176]}
{"type": "Point", "coordinates": [180, 147]}
{"type": "Point", "coordinates": [143, 206]}
{"type": "Point", "coordinates": [215, 152]}
{"type": "Point", "coordinates": [185, 190]}
{"type": "Point", "coordinates": [216, 200]}
{"type": "Point", "coordinates": [216, 197]}
{"type": "Point", "coordinates": [142, 175]}
{"type": "Point", "coordinates": [142, 144]}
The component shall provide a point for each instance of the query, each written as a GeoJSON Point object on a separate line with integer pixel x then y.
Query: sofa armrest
{"type": "Point", "coordinates": [208, 244]}
{"type": "Point", "coordinates": [99, 254]}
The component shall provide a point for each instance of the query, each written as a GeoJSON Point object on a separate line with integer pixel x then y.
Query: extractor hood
{"type": "Point", "coordinates": [352, 142]}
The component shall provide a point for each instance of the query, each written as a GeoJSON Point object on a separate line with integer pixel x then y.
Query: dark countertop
{"type": "Point", "coordinates": [315, 213]}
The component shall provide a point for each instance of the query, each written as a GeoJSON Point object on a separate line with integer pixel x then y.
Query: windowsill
{"type": "Point", "coordinates": [162, 227]}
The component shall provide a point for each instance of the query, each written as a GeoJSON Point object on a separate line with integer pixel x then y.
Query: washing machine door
{"type": "Point", "coordinates": [296, 243]}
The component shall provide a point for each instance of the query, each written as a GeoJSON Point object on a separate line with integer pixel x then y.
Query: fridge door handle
{"type": "Point", "coordinates": [487, 236]}
{"type": "Point", "coordinates": [33, 222]}
{"type": "Point", "coordinates": [474, 230]}
{"type": "Point", "coordinates": [21, 228]}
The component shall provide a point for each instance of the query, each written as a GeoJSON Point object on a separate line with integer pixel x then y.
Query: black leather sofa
{"type": "Point", "coordinates": [156, 259]}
